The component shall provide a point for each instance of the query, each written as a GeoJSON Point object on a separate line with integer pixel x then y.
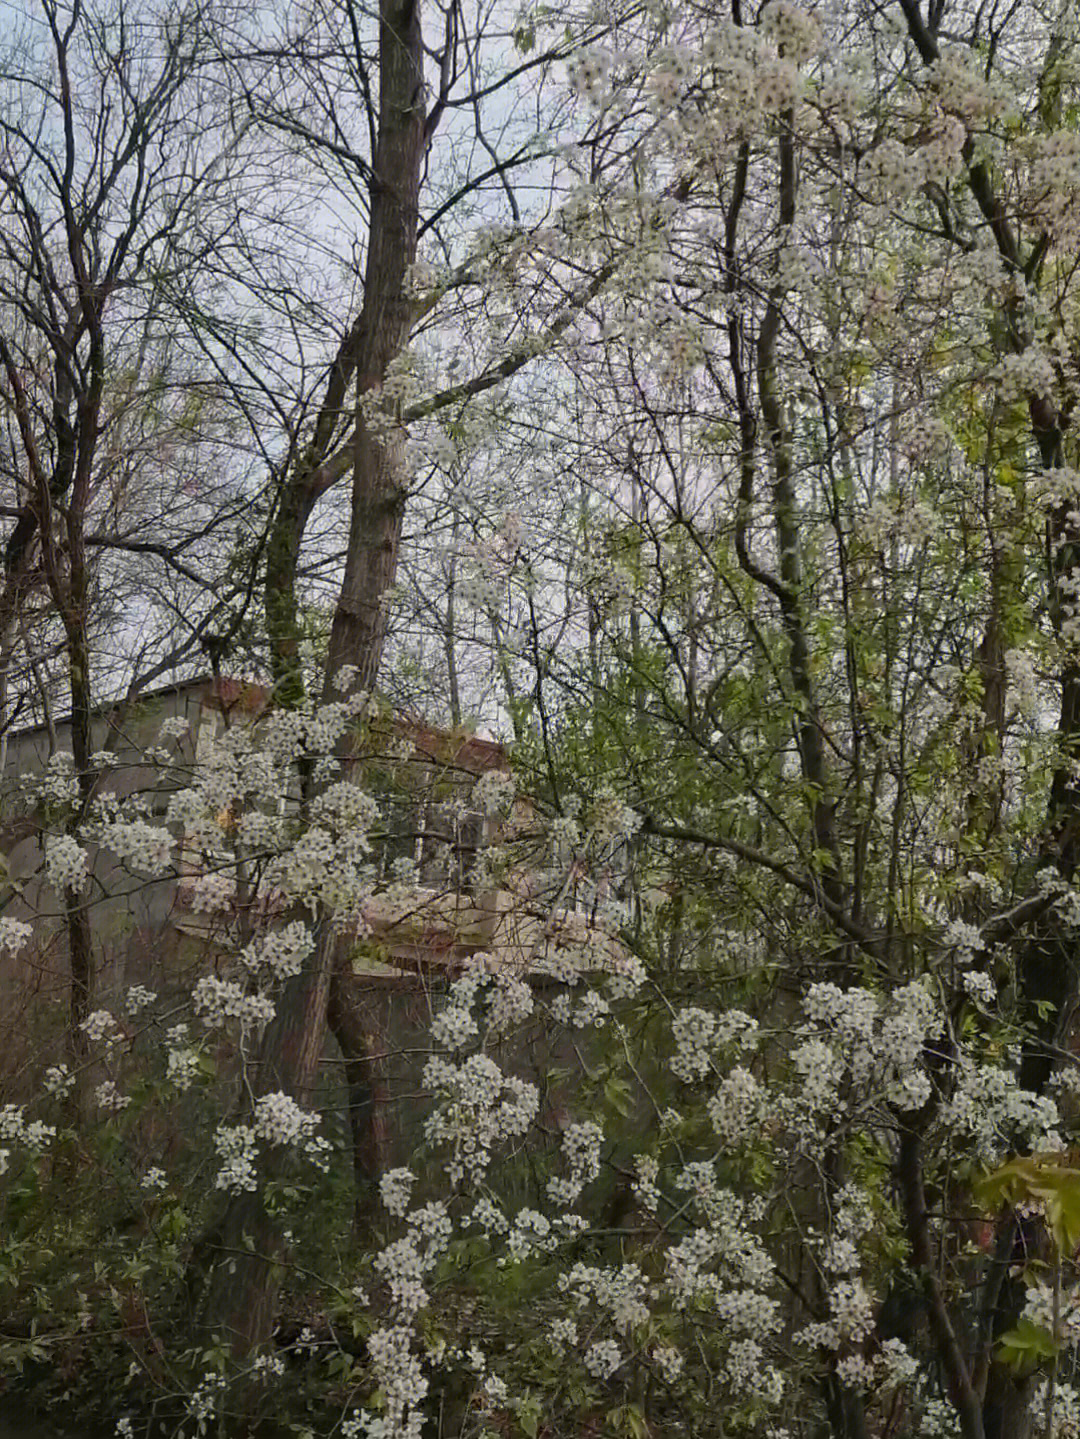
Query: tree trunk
{"type": "Point", "coordinates": [355, 1024]}
{"type": "Point", "coordinates": [247, 1247]}
{"type": "Point", "coordinates": [242, 1295]}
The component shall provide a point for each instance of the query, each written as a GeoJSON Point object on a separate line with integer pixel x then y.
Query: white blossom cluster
{"type": "Point", "coordinates": [589, 1011]}
{"type": "Point", "coordinates": [400, 1378]}
{"type": "Point", "coordinates": [581, 1151]}
{"type": "Point", "coordinates": [138, 998]}
{"type": "Point", "coordinates": [494, 791]}
{"type": "Point", "coordinates": [212, 894]}
{"type": "Point", "coordinates": [232, 808]}
{"type": "Point", "coordinates": [611, 818]}
{"type": "Point", "coordinates": [235, 1145]}
{"type": "Point", "coordinates": [602, 1358]}
{"type": "Point", "coordinates": [477, 1108]}
{"type": "Point", "coordinates": [220, 1000]}
{"type": "Point", "coordinates": [182, 1065]}
{"type": "Point", "coordinates": [699, 1034]}
{"type": "Point", "coordinates": [100, 1025]}
{"type": "Point", "coordinates": [279, 1119]}
{"type": "Point", "coordinates": [67, 864]}
{"type": "Point", "coordinates": [14, 935]}
{"type": "Point", "coordinates": [793, 30]}
{"type": "Point", "coordinates": [530, 1233]}
{"type": "Point", "coordinates": [619, 1294]}
{"type": "Point", "coordinates": [279, 953]}
{"type": "Point", "coordinates": [57, 785]}
{"type": "Point", "coordinates": [1041, 1305]}
{"type": "Point", "coordinates": [395, 1189]}
{"type": "Point", "coordinates": [964, 91]}
{"type": "Point", "coordinates": [173, 728]}
{"type": "Point", "coordinates": [1031, 372]}
{"type": "Point", "coordinates": [147, 848]}
{"type": "Point", "coordinates": [964, 939]}
{"type": "Point", "coordinates": [109, 1098]}
{"type": "Point", "coordinates": [907, 520]}
{"type": "Point", "coordinates": [1054, 182]}
{"type": "Point", "coordinates": [1064, 1408]}
{"type": "Point", "coordinates": [15, 1128]}
{"type": "Point", "coordinates": [58, 1081]}
{"type": "Point", "coordinates": [989, 1107]}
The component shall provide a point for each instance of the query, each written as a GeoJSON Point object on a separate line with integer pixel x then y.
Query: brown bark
{"type": "Point", "coordinates": [247, 1247]}
{"type": "Point", "coordinates": [242, 1295]}
{"type": "Point", "coordinates": [355, 1023]}
{"type": "Point", "coordinates": [378, 496]}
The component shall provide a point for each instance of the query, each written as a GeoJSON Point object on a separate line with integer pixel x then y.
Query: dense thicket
{"type": "Point", "coordinates": [686, 396]}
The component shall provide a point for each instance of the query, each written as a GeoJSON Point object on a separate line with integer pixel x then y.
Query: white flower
{"type": "Point", "coordinates": [669, 1361]}
{"type": "Point", "coordinates": [980, 986]}
{"type": "Point", "coordinates": [964, 938]}
{"type": "Point", "coordinates": [645, 1187]}
{"type": "Point", "coordinates": [59, 784]}
{"type": "Point", "coordinates": [13, 934]}
{"type": "Point", "coordinates": [213, 894]}
{"type": "Point", "coordinates": [59, 1081]}
{"type": "Point", "coordinates": [477, 1107]}
{"type": "Point", "coordinates": [736, 1106]}
{"type": "Point", "coordinates": [794, 31]}
{"type": "Point", "coordinates": [488, 1217]}
{"type": "Point", "coordinates": [346, 807]}
{"type": "Point", "coordinates": [900, 1366]}
{"type": "Point", "coordinates": [138, 997]}
{"type": "Point", "coordinates": [530, 1231]}
{"type": "Point", "coordinates": [98, 1025]}
{"type": "Point", "coordinates": [281, 952]}
{"type": "Point", "coordinates": [453, 1027]}
{"type": "Point", "coordinates": [236, 1145]}
{"type": "Point", "coordinates": [173, 728]}
{"type": "Point", "coordinates": [821, 1070]}
{"type": "Point", "coordinates": [591, 1012]}
{"type": "Point", "coordinates": [510, 1002]}
{"type": "Point", "coordinates": [602, 1359]}
{"type": "Point", "coordinates": [154, 1179]}
{"type": "Point", "coordinates": [562, 1335]}
{"type": "Point", "coordinates": [109, 1097]}
{"type": "Point", "coordinates": [278, 1119]}
{"type": "Point", "coordinates": [395, 1189]}
{"type": "Point", "coordinates": [67, 865]}
{"type": "Point", "coordinates": [146, 847]}
{"type": "Point", "coordinates": [610, 818]}
{"type": "Point", "coordinates": [852, 1309]}
{"type": "Point", "coordinates": [494, 791]}
{"type": "Point", "coordinates": [182, 1068]}
{"type": "Point", "coordinates": [345, 679]}
{"type": "Point", "coordinates": [693, 1031]}
{"type": "Point", "coordinates": [13, 1126]}
{"type": "Point", "coordinates": [219, 1000]}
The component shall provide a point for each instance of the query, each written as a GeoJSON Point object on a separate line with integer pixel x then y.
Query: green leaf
{"type": "Point", "coordinates": [528, 1417]}
{"type": "Point", "coordinates": [1026, 1346]}
{"type": "Point", "coordinates": [617, 1094]}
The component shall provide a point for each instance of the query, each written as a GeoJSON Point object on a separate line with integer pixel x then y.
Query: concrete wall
{"type": "Point", "coordinates": [132, 917]}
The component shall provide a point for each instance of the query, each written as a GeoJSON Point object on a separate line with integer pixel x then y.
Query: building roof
{"type": "Point", "coordinates": [455, 748]}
